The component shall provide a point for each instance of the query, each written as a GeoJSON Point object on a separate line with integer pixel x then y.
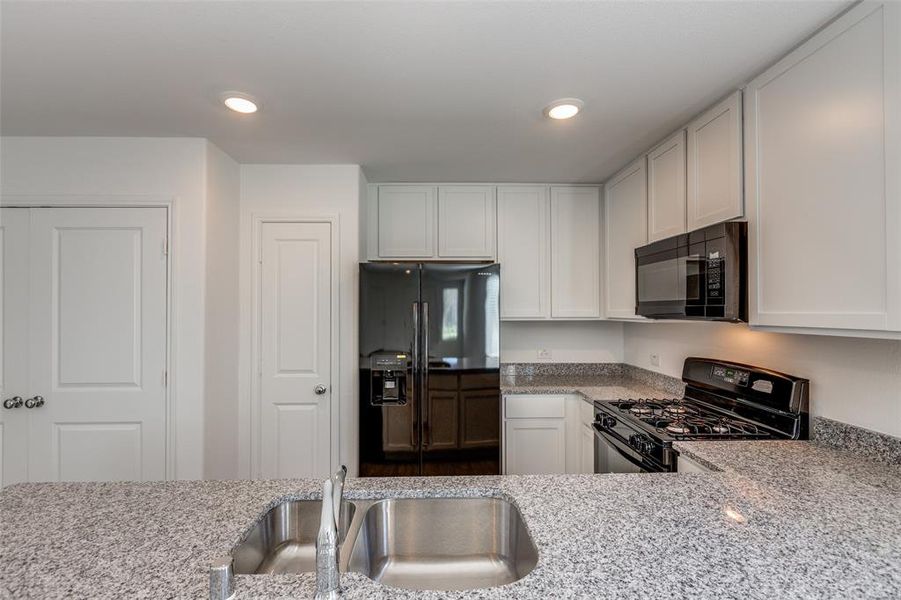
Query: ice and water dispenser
{"type": "Point", "coordinates": [389, 379]}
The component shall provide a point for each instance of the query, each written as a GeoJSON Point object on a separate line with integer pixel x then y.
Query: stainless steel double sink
{"type": "Point", "coordinates": [411, 543]}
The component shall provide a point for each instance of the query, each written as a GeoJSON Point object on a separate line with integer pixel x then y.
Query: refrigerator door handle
{"type": "Point", "coordinates": [414, 378]}
{"type": "Point", "coordinates": [426, 409]}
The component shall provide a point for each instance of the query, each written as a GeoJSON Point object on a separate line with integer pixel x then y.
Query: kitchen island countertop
{"type": "Point", "coordinates": [779, 520]}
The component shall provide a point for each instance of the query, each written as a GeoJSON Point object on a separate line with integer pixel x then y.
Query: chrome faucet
{"type": "Point", "coordinates": [328, 579]}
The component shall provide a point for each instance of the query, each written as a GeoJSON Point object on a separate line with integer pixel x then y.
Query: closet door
{"type": "Point", "coordinates": [97, 344]}
{"type": "Point", "coordinates": [14, 333]}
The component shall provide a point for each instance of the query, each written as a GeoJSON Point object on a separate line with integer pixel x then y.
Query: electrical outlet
{"type": "Point", "coordinates": [655, 359]}
{"type": "Point", "coordinates": [544, 354]}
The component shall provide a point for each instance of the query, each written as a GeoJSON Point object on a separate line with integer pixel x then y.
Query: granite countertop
{"type": "Point", "coordinates": [779, 520]}
{"type": "Point", "coordinates": [615, 383]}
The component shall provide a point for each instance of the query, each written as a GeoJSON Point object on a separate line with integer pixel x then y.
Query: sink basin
{"type": "Point", "coordinates": [443, 543]}
{"type": "Point", "coordinates": [284, 540]}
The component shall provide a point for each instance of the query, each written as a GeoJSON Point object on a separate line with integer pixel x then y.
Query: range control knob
{"type": "Point", "coordinates": [607, 422]}
{"type": "Point", "coordinates": [641, 443]}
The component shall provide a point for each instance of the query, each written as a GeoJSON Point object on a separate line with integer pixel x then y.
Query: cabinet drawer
{"type": "Point", "coordinates": [528, 406]}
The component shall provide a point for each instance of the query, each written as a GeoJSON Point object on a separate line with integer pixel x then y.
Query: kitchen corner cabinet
{"type": "Point", "coordinates": [549, 240]}
{"type": "Point", "coordinates": [523, 249]}
{"type": "Point", "coordinates": [626, 228]}
{"type": "Point", "coordinates": [823, 183]}
{"type": "Point", "coordinates": [429, 222]}
{"type": "Point", "coordinates": [715, 165]}
{"type": "Point", "coordinates": [667, 188]}
{"type": "Point", "coordinates": [575, 252]}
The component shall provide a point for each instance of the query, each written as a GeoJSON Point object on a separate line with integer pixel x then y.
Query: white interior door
{"type": "Point", "coordinates": [98, 344]}
{"type": "Point", "coordinates": [14, 331]}
{"type": "Point", "coordinates": [295, 324]}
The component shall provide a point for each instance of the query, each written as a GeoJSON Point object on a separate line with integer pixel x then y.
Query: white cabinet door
{"type": "Point", "coordinates": [98, 344]}
{"type": "Point", "coordinates": [714, 165]}
{"type": "Point", "coordinates": [14, 251]}
{"type": "Point", "coordinates": [295, 349]}
{"type": "Point", "coordinates": [575, 252]}
{"type": "Point", "coordinates": [587, 448]}
{"type": "Point", "coordinates": [626, 226]}
{"type": "Point", "coordinates": [466, 222]}
{"type": "Point", "coordinates": [823, 149]}
{"type": "Point", "coordinates": [523, 250]}
{"type": "Point", "coordinates": [535, 446]}
{"type": "Point", "coordinates": [666, 188]}
{"type": "Point", "coordinates": [406, 221]}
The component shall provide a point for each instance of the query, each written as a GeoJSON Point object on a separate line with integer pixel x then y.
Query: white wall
{"type": "Point", "coordinates": [856, 381]}
{"type": "Point", "coordinates": [223, 192]}
{"type": "Point", "coordinates": [129, 170]}
{"type": "Point", "coordinates": [573, 341]}
{"type": "Point", "coordinates": [304, 191]}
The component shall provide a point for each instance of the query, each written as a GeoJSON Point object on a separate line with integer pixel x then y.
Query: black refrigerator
{"type": "Point", "coordinates": [429, 369]}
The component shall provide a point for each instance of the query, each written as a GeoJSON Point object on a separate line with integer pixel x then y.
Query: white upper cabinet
{"type": "Point", "coordinates": [575, 252]}
{"type": "Point", "coordinates": [523, 238]}
{"type": "Point", "coordinates": [429, 222]}
{"type": "Point", "coordinates": [406, 221]}
{"type": "Point", "coordinates": [823, 181]}
{"type": "Point", "coordinates": [626, 228]}
{"type": "Point", "coordinates": [466, 221]}
{"type": "Point", "coordinates": [666, 188]}
{"type": "Point", "coordinates": [714, 165]}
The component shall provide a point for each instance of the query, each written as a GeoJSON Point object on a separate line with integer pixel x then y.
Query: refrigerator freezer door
{"type": "Point", "coordinates": [389, 393]}
{"type": "Point", "coordinates": [460, 401]}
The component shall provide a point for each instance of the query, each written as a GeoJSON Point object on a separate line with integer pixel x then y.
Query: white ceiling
{"type": "Point", "coordinates": [413, 91]}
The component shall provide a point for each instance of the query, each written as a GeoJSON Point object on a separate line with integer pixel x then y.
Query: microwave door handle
{"type": "Point", "coordinates": [612, 444]}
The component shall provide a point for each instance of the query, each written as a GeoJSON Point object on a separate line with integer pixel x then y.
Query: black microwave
{"type": "Point", "coordinates": [700, 275]}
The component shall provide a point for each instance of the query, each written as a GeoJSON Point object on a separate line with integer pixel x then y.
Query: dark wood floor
{"type": "Point", "coordinates": [472, 467]}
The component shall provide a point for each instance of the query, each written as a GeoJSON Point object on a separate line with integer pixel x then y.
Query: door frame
{"type": "Point", "coordinates": [130, 201]}
{"type": "Point", "coordinates": [252, 413]}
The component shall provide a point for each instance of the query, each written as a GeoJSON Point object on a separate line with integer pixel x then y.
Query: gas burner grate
{"type": "Point", "coordinates": [710, 426]}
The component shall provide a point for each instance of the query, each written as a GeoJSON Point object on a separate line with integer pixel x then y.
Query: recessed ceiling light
{"type": "Point", "coordinates": [564, 108]}
{"type": "Point", "coordinates": [240, 103]}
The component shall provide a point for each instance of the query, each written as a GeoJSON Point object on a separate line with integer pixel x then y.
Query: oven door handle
{"type": "Point", "coordinates": [613, 442]}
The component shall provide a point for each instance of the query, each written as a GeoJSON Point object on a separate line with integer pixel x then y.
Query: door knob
{"type": "Point", "coordinates": [320, 389]}
{"type": "Point", "coordinates": [14, 402]}
{"type": "Point", "coordinates": [36, 402]}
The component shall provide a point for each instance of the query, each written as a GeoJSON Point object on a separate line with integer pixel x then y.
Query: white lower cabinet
{"type": "Point", "coordinates": [548, 434]}
{"type": "Point", "coordinates": [535, 446]}
{"type": "Point", "coordinates": [586, 448]}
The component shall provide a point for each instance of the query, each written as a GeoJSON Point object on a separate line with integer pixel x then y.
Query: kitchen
{"type": "Point", "coordinates": [570, 336]}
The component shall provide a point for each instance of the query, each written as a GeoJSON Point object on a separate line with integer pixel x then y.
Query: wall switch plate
{"type": "Point", "coordinates": [655, 359]}
{"type": "Point", "coordinates": [544, 354]}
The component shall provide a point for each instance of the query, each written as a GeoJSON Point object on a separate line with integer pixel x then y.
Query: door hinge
{"type": "Point", "coordinates": [165, 378]}
{"type": "Point", "coordinates": [166, 247]}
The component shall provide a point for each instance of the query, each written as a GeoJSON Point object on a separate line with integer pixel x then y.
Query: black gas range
{"type": "Point", "coordinates": [722, 401]}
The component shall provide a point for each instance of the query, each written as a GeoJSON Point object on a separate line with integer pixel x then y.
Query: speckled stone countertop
{"type": "Point", "coordinates": [614, 382]}
{"type": "Point", "coordinates": [779, 520]}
